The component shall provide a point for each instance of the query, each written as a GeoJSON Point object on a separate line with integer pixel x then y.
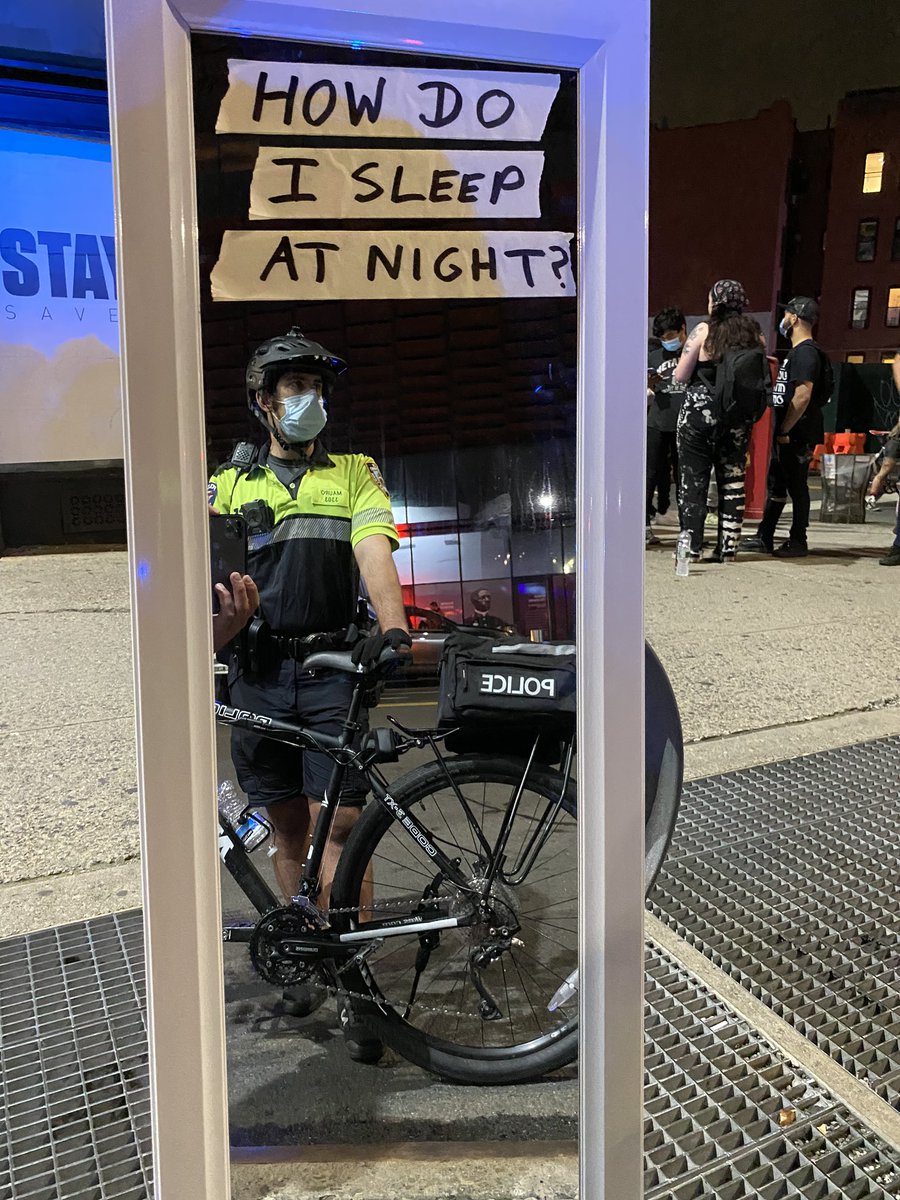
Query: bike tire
{"type": "Point", "coordinates": [479, 1053]}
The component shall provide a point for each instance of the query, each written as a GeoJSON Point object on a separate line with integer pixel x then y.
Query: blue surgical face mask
{"type": "Point", "coordinates": [784, 330]}
{"type": "Point", "coordinates": [674, 344]}
{"type": "Point", "coordinates": [304, 417]}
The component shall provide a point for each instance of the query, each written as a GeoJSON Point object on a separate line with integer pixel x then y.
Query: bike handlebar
{"type": "Point", "coordinates": [342, 660]}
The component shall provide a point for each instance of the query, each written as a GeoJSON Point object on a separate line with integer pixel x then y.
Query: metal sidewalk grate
{"type": "Point", "coordinates": [713, 1088]}
{"type": "Point", "coordinates": [724, 810]}
{"type": "Point", "coordinates": [715, 1096]}
{"type": "Point", "coordinates": [74, 1090]}
{"type": "Point", "coordinates": [806, 915]}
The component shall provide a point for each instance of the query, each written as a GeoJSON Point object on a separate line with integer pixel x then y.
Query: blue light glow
{"type": "Point", "coordinates": [12, 141]}
{"type": "Point", "coordinates": [357, 45]}
{"type": "Point", "coordinates": [143, 571]}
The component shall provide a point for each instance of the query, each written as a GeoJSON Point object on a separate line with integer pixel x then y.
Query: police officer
{"type": "Point", "coordinates": [315, 522]}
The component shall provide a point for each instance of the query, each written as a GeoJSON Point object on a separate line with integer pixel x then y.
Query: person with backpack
{"type": "Point", "coordinates": [728, 383]}
{"type": "Point", "coordinates": [802, 389]}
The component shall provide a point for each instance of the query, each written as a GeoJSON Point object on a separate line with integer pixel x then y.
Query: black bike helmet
{"type": "Point", "coordinates": [291, 349]}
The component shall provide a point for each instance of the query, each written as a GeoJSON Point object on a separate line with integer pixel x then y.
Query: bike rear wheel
{"type": "Point", "coordinates": [442, 1026]}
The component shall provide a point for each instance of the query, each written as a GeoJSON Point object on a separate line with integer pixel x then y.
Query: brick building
{"type": "Point", "coordinates": [861, 277]}
{"type": "Point", "coordinates": [718, 209]}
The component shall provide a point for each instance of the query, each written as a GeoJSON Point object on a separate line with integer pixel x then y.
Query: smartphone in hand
{"type": "Point", "coordinates": [227, 550]}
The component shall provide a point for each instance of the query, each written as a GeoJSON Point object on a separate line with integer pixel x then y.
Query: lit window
{"type": "Point", "coordinates": [873, 171]}
{"type": "Point", "coordinates": [855, 358]}
{"type": "Point", "coordinates": [892, 317]}
{"type": "Point", "coordinates": [859, 314]}
{"type": "Point", "coordinates": [866, 240]}
{"type": "Point", "coordinates": [895, 243]}
{"type": "Point", "coordinates": [889, 358]}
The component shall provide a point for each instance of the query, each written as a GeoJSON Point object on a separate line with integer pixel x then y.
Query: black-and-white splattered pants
{"type": "Point", "coordinates": [707, 446]}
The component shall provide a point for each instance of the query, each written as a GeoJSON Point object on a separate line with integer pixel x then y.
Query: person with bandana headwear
{"type": "Point", "coordinates": [707, 442]}
{"type": "Point", "coordinates": [316, 521]}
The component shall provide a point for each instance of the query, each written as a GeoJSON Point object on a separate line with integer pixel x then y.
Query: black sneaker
{"type": "Point", "coordinates": [756, 545]}
{"type": "Point", "coordinates": [717, 556]}
{"type": "Point", "coordinates": [791, 549]}
{"type": "Point", "coordinates": [362, 1045]}
{"type": "Point", "coordinates": [302, 999]}
{"type": "Point", "coordinates": [892, 558]}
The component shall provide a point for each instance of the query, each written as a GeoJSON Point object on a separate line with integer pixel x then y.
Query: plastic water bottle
{"type": "Point", "coordinates": [564, 992]}
{"type": "Point", "coordinates": [251, 832]}
{"type": "Point", "coordinates": [683, 555]}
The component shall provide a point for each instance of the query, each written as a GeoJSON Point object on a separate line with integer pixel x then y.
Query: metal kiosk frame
{"type": "Point", "coordinates": [151, 101]}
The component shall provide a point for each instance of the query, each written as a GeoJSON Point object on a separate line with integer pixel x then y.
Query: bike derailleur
{"type": "Point", "coordinates": [483, 956]}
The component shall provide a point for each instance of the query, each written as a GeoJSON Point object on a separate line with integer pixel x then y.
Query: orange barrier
{"type": "Point", "coordinates": [848, 443]}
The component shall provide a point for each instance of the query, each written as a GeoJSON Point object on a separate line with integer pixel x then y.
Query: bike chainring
{"type": "Point", "coordinates": [274, 967]}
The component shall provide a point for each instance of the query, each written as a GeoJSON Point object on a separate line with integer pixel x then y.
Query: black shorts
{"type": "Point", "coordinates": [269, 771]}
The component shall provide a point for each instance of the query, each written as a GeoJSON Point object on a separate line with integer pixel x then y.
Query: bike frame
{"type": "Point", "coordinates": [340, 748]}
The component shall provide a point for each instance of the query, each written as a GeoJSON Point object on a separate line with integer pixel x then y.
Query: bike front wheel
{"type": "Point", "coordinates": [428, 998]}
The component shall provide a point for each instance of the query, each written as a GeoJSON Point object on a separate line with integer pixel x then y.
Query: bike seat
{"type": "Point", "coordinates": [331, 660]}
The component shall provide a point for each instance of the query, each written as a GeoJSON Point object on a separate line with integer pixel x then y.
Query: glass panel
{"type": "Point", "coordinates": [485, 553]}
{"type": "Point", "coordinates": [895, 242]}
{"type": "Point", "coordinates": [434, 556]}
{"type": "Point", "coordinates": [892, 317]}
{"type": "Point", "coordinates": [859, 316]}
{"type": "Point", "coordinates": [866, 240]}
{"type": "Point", "coordinates": [442, 599]}
{"type": "Point", "coordinates": [463, 394]}
{"type": "Point", "coordinates": [873, 171]}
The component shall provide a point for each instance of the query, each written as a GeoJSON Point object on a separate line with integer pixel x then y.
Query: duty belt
{"type": "Point", "coordinates": [291, 646]}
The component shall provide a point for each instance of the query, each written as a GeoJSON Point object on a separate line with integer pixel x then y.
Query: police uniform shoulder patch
{"type": "Point", "coordinates": [212, 490]}
{"type": "Point", "coordinates": [377, 477]}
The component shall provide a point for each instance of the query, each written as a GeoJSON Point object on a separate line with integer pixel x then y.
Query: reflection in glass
{"type": "Point", "coordinates": [468, 407]}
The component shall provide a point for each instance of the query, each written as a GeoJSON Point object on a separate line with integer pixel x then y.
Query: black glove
{"type": "Point", "coordinates": [368, 651]}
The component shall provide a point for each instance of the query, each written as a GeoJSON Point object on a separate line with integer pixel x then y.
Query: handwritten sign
{"type": "Point", "coordinates": [362, 264]}
{"type": "Point", "coordinates": [307, 182]}
{"type": "Point", "coordinates": [329, 100]}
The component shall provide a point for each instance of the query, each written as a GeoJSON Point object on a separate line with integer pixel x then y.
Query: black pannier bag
{"type": "Point", "coordinates": [503, 691]}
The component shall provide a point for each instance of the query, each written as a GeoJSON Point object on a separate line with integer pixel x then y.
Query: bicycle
{"type": "Point", "coordinates": [462, 955]}
{"type": "Point", "coordinates": [452, 927]}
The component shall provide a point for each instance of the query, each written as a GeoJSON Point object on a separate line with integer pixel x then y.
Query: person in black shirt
{"type": "Point", "coordinates": [664, 398]}
{"type": "Point", "coordinates": [798, 399]}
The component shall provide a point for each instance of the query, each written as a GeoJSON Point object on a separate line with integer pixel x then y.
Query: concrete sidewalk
{"type": "Point", "coordinates": [768, 659]}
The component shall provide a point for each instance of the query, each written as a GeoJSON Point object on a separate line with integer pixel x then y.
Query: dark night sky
{"type": "Point", "coordinates": [720, 60]}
